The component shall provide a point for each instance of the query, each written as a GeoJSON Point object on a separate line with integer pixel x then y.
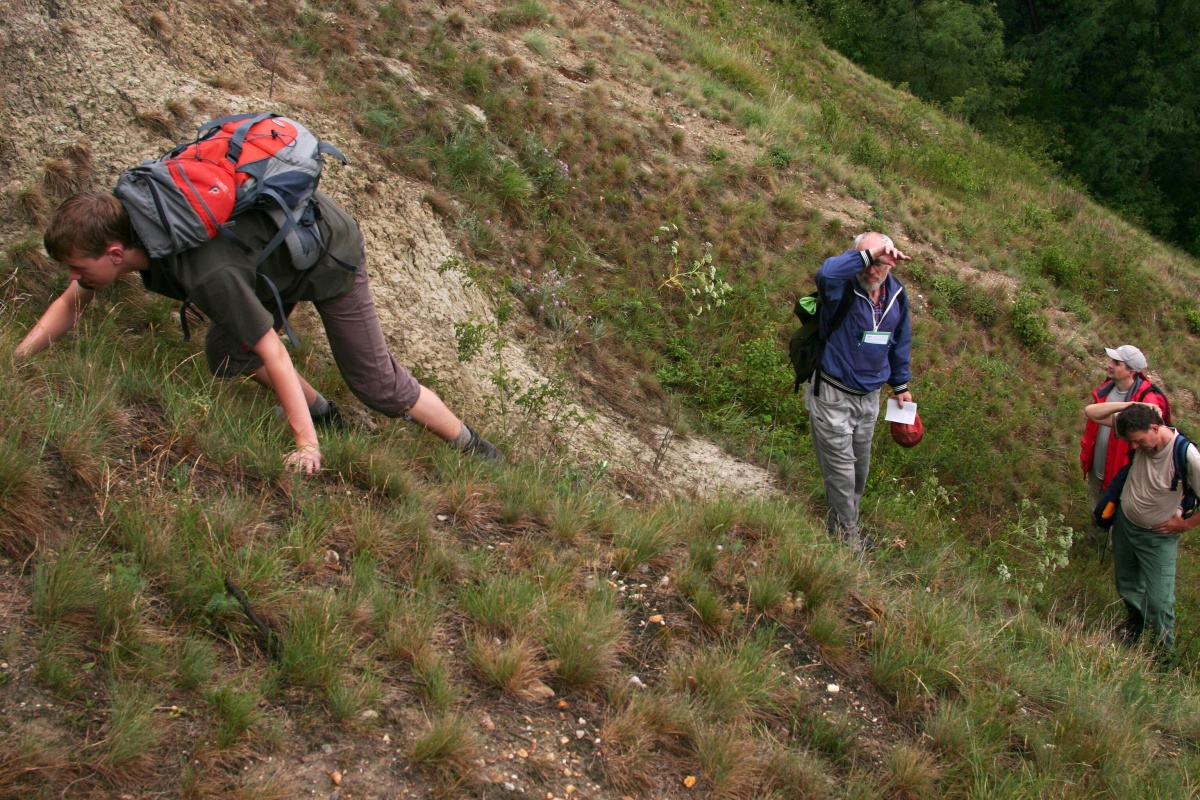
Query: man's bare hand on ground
{"type": "Point", "coordinates": [306, 459]}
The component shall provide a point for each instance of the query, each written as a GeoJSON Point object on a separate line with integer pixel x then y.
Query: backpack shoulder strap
{"type": "Point", "coordinates": [1152, 389]}
{"type": "Point", "coordinates": [1181, 465]}
{"type": "Point", "coordinates": [839, 316]}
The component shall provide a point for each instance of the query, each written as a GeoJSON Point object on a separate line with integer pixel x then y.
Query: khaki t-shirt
{"type": "Point", "coordinates": [1147, 499]}
{"type": "Point", "coordinates": [219, 277]}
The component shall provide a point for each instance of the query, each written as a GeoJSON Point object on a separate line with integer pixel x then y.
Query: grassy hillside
{"type": "Point", "coordinates": [641, 192]}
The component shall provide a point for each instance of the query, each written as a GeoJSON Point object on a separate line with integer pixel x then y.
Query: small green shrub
{"type": "Point", "coordinates": [1029, 323]}
{"type": "Point", "coordinates": [716, 154]}
{"type": "Point", "coordinates": [779, 157]}
{"type": "Point", "coordinates": [1064, 271]}
{"type": "Point", "coordinates": [984, 308]}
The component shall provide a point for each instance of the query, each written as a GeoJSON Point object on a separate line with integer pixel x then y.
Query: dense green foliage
{"type": "Point", "coordinates": [1106, 89]}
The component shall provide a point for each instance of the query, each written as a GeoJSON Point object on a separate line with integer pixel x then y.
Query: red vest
{"type": "Point", "coordinates": [1142, 391]}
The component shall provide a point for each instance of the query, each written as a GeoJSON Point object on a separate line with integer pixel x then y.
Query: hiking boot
{"type": "Point", "coordinates": [331, 420]}
{"type": "Point", "coordinates": [859, 542]}
{"type": "Point", "coordinates": [481, 448]}
{"type": "Point", "coordinates": [1129, 633]}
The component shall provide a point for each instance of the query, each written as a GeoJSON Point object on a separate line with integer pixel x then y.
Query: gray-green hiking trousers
{"type": "Point", "coordinates": [842, 428]}
{"type": "Point", "coordinates": [1144, 569]}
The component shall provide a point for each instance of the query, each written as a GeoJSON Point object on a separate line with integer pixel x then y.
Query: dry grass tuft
{"type": "Point", "coordinates": [27, 762]}
{"type": "Point", "coordinates": [31, 205]}
{"type": "Point", "coordinates": [60, 177]}
{"type": "Point", "coordinates": [442, 204]}
{"type": "Point", "coordinates": [511, 666]}
{"type": "Point", "coordinates": [639, 738]}
{"type": "Point", "coordinates": [157, 122]}
{"type": "Point", "coordinates": [179, 109]}
{"type": "Point", "coordinates": [80, 154]}
{"type": "Point", "coordinates": [449, 749]}
{"type": "Point", "coordinates": [470, 505]}
{"type": "Point", "coordinates": [911, 773]}
{"type": "Point", "coordinates": [160, 23]}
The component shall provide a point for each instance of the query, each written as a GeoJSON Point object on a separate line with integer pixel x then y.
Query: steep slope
{"type": "Point", "coordinates": [159, 73]}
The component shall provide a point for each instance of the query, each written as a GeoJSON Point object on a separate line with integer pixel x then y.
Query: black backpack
{"type": "Point", "coordinates": [1105, 512]}
{"type": "Point", "coordinates": [806, 345]}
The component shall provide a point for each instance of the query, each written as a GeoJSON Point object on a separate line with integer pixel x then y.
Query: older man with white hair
{"type": "Point", "coordinates": [868, 348]}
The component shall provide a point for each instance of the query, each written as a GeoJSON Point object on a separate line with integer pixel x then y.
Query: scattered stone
{"type": "Point", "coordinates": [658, 619]}
{"type": "Point", "coordinates": [486, 721]}
{"type": "Point", "coordinates": [538, 691]}
{"type": "Point", "coordinates": [523, 753]}
{"type": "Point", "coordinates": [563, 704]}
{"type": "Point", "coordinates": [336, 777]}
{"type": "Point", "coordinates": [833, 688]}
{"type": "Point", "coordinates": [580, 734]}
{"type": "Point", "coordinates": [327, 749]}
{"type": "Point", "coordinates": [636, 682]}
{"type": "Point", "coordinates": [689, 781]}
{"type": "Point", "coordinates": [370, 713]}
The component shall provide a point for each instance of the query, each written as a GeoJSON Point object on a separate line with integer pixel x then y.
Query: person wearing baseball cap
{"type": "Point", "coordinates": [1102, 455]}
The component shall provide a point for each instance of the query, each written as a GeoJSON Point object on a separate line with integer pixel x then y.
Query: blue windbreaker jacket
{"type": "Point", "coordinates": [848, 362]}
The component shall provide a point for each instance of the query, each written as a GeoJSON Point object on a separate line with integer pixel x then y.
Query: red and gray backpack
{"type": "Point", "coordinates": [237, 163]}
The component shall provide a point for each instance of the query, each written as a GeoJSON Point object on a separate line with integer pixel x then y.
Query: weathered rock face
{"type": "Point", "coordinates": [131, 86]}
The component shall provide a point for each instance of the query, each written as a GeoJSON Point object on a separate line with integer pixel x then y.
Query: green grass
{"type": "Point", "coordinates": [131, 731]}
{"type": "Point", "coordinates": [234, 711]}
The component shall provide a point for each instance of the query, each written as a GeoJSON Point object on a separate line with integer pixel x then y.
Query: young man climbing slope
{"type": "Point", "coordinates": [91, 234]}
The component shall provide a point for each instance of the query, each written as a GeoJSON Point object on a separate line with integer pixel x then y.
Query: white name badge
{"type": "Point", "coordinates": [877, 337]}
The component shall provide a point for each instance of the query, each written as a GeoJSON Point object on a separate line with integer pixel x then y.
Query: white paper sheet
{"type": "Point", "coordinates": [905, 416]}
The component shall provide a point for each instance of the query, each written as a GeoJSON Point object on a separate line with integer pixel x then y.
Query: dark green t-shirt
{"type": "Point", "coordinates": [219, 277]}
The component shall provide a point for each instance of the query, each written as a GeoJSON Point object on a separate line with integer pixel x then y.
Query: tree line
{"type": "Point", "coordinates": [1105, 90]}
